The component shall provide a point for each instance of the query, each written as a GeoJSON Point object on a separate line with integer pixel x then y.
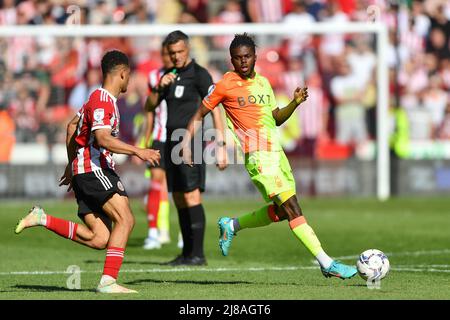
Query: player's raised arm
{"type": "Point", "coordinates": [155, 97]}
{"type": "Point", "coordinates": [281, 115]}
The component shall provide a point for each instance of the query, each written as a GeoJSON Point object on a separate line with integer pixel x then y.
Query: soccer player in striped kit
{"type": "Point", "coordinates": [253, 115]}
{"type": "Point", "coordinates": [92, 137]}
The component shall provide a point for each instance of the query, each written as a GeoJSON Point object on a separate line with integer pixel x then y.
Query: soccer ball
{"type": "Point", "coordinates": [373, 265]}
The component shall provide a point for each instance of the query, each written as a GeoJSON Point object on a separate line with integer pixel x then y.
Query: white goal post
{"type": "Point", "coordinates": [377, 28]}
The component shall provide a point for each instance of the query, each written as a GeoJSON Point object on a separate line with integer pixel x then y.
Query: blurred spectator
{"type": "Point", "coordinates": [198, 45]}
{"type": "Point", "coordinates": [198, 8]}
{"type": "Point", "coordinates": [135, 12]}
{"type": "Point", "coordinates": [350, 114]}
{"type": "Point", "coordinates": [8, 13]}
{"type": "Point", "coordinates": [22, 109]}
{"type": "Point", "coordinates": [266, 11]}
{"type": "Point", "coordinates": [130, 105]}
{"type": "Point", "coordinates": [231, 12]}
{"type": "Point", "coordinates": [420, 123]}
{"type": "Point", "coordinates": [444, 72]}
{"type": "Point", "coordinates": [270, 65]}
{"type": "Point", "coordinates": [298, 17]}
{"type": "Point", "coordinates": [438, 43]}
{"type": "Point", "coordinates": [444, 130]}
{"type": "Point", "coordinates": [333, 44]}
{"type": "Point", "coordinates": [361, 58]}
{"type": "Point", "coordinates": [369, 101]}
{"type": "Point", "coordinates": [293, 76]}
{"type": "Point", "coordinates": [313, 116]}
{"type": "Point", "coordinates": [101, 12]}
{"type": "Point", "coordinates": [81, 92]}
{"type": "Point", "coordinates": [7, 135]}
{"type": "Point", "coordinates": [168, 11]}
{"type": "Point", "coordinates": [414, 75]}
{"type": "Point", "coordinates": [435, 101]}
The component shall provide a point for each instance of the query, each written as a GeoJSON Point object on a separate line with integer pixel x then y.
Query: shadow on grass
{"type": "Point", "coordinates": [206, 282]}
{"type": "Point", "coordinates": [128, 262]}
{"type": "Point", "coordinates": [357, 285]}
{"type": "Point", "coordinates": [40, 288]}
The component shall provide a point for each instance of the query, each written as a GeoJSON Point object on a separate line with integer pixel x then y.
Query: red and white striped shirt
{"type": "Point", "coordinates": [312, 113]}
{"type": "Point", "coordinates": [159, 130]}
{"type": "Point", "coordinates": [99, 112]}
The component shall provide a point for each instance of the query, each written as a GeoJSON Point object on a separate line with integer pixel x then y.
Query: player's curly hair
{"type": "Point", "coordinates": [242, 40]}
{"type": "Point", "coordinates": [112, 59]}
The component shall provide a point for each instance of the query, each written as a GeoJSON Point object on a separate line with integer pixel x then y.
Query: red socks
{"type": "Point", "coordinates": [154, 195]}
{"type": "Point", "coordinates": [64, 228]}
{"type": "Point", "coordinates": [113, 261]}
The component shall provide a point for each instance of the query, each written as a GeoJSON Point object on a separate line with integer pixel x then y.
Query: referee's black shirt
{"type": "Point", "coordinates": [185, 94]}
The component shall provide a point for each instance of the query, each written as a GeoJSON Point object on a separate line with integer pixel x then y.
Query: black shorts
{"type": "Point", "coordinates": [181, 177]}
{"type": "Point", "coordinates": [159, 145]}
{"type": "Point", "coordinates": [93, 189]}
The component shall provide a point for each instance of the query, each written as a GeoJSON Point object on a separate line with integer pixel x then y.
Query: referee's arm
{"type": "Point", "coordinates": [155, 97]}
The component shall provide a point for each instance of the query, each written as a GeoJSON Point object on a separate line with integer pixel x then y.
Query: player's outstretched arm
{"type": "Point", "coordinates": [66, 178]}
{"type": "Point", "coordinates": [149, 118]}
{"type": "Point", "coordinates": [221, 154]}
{"type": "Point", "coordinates": [106, 140]}
{"type": "Point", "coordinates": [281, 115]}
{"type": "Point", "coordinates": [194, 124]}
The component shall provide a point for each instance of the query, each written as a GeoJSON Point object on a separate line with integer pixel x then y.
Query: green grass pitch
{"type": "Point", "coordinates": [264, 263]}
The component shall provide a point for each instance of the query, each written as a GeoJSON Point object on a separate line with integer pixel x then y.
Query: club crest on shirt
{"type": "Point", "coordinates": [120, 186]}
{"type": "Point", "coordinates": [99, 114]}
{"type": "Point", "coordinates": [179, 90]}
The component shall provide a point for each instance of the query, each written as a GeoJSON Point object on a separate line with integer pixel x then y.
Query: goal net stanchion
{"type": "Point", "coordinates": [377, 28]}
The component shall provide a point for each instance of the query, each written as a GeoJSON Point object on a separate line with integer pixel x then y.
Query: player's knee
{"type": "Point", "coordinates": [192, 198]}
{"type": "Point", "coordinates": [125, 219]}
{"type": "Point", "coordinates": [100, 241]}
{"type": "Point", "coordinates": [291, 210]}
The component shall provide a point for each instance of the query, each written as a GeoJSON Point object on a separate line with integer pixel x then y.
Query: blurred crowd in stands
{"type": "Point", "coordinates": [45, 80]}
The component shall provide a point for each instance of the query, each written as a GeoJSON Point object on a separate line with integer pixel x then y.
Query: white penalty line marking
{"type": "Point", "coordinates": [175, 270]}
{"type": "Point", "coordinates": [404, 253]}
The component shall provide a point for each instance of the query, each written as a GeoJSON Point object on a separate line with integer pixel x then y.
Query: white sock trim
{"type": "Point", "coordinates": [324, 260]}
{"type": "Point", "coordinates": [106, 279]}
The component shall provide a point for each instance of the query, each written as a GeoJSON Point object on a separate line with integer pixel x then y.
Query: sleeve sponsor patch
{"type": "Point", "coordinates": [210, 90]}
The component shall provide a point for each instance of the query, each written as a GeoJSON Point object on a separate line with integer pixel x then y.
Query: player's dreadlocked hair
{"type": "Point", "coordinates": [242, 40]}
{"type": "Point", "coordinates": [113, 59]}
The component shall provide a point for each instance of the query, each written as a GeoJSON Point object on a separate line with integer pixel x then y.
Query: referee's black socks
{"type": "Point", "coordinates": [185, 226]}
{"type": "Point", "coordinates": [197, 217]}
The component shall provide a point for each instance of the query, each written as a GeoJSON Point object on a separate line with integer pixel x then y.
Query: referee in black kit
{"type": "Point", "coordinates": [183, 88]}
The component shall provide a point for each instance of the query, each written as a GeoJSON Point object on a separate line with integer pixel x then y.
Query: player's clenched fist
{"type": "Point", "coordinates": [149, 155]}
{"type": "Point", "coordinates": [300, 94]}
